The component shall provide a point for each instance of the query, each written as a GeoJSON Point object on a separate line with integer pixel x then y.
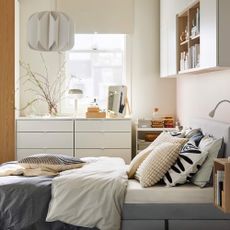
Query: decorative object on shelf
{"type": "Point", "coordinates": [76, 94]}
{"type": "Point", "coordinates": [93, 111]}
{"type": "Point", "coordinates": [50, 31]}
{"type": "Point", "coordinates": [157, 121]}
{"type": "Point", "coordinates": [161, 121]}
{"type": "Point", "coordinates": [155, 113]}
{"type": "Point", "coordinates": [183, 36]}
{"type": "Point", "coordinates": [212, 113]}
{"type": "Point", "coordinates": [117, 100]}
{"type": "Point", "coordinates": [43, 89]}
{"type": "Point", "coordinates": [168, 122]}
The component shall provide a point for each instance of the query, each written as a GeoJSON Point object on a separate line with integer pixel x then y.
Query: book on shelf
{"type": "Point", "coordinates": [194, 56]}
{"type": "Point", "coordinates": [195, 29]}
{"type": "Point", "coordinates": [219, 186]}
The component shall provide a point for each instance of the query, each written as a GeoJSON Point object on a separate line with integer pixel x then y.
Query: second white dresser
{"type": "Point", "coordinates": [103, 137]}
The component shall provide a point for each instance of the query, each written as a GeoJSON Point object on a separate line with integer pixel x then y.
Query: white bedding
{"type": "Point", "coordinates": [184, 194]}
{"type": "Point", "coordinates": [91, 196]}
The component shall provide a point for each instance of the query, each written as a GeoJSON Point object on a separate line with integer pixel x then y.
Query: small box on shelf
{"type": "Point", "coordinates": [221, 184]}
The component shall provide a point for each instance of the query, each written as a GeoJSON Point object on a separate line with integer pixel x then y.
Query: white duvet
{"type": "Point", "coordinates": [91, 196]}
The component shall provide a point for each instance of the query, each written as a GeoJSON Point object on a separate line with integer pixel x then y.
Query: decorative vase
{"type": "Point", "coordinates": [52, 109]}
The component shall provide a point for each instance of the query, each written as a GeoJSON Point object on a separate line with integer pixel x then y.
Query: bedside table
{"type": "Point", "coordinates": [221, 174]}
{"type": "Point", "coordinates": [145, 134]}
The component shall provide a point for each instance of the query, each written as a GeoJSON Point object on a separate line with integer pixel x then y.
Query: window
{"type": "Point", "coordinates": [95, 62]}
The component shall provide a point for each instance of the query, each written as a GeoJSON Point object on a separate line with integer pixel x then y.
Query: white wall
{"type": "Point", "coordinates": [148, 89]}
{"type": "Point", "coordinates": [28, 7]}
{"type": "Point", "coordinates": [197, 95]}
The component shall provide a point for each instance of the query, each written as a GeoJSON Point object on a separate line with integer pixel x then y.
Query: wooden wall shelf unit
{"type": "Point", "coordinates": [189, 39]}
{"type": "Point", "coordinates": [222, 189]}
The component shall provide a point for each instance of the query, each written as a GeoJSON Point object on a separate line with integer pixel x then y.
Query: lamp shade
{"type": "Point", "coordinates": [78, 93]}
{"type": "Point", "coordinates": [50, 31]}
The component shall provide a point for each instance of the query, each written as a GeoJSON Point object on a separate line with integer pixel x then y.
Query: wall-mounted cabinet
{"type": "Point", "coordinates": [194, 36]}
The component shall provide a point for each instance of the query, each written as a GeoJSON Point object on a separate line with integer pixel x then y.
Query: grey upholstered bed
{"type": "Point", "coordinates": [181, 215]}
{"type": "Point", "coordinates": [157, 208]}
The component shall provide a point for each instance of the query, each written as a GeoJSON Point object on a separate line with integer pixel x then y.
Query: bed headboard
{"type": "Point", "coordinates": [217, 129]}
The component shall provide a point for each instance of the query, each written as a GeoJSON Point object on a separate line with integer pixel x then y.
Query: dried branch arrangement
{"type": "Point", "coordinates": [43, 89]}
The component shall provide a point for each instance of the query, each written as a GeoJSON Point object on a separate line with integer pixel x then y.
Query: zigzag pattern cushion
{"type": "Point", "coordinates": [140, 157]}
{"type": "Point", "coordinates": [190, 160]}
{"type": "Point", "coordinates": [157, 163]}
{"type": "Point", "coordinates": [52, 162]}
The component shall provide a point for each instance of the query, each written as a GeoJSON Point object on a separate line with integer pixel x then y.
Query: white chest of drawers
{"type": "Point", "coordinates": [103, 137]}
{"type": "Point", "coordinates": [74, 137]}
{"type": "Point", "coordinates": [36, 136]}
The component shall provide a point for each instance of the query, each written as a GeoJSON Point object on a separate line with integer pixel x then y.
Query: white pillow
{"type": "Point", "coordinates": [213, 147]}
{"type": "Point", "coordinates": [140, 157]}
{"type": "Point", "coordinates": [157, 163]}
{"type": "Point", "coordinates": [190, 160]}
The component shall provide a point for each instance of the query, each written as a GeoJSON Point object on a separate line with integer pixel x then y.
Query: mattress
{"type": "Point", "coordinates": [184, 194]}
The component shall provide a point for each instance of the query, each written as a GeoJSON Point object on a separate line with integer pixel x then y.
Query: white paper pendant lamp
{"type": "Point", "coordinates": [50, 31]}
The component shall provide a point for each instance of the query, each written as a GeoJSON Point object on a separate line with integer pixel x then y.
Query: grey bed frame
{"type": "Point", "coordinates": [181, 216]}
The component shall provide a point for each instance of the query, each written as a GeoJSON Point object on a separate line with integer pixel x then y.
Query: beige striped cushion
{"type": "Point", "coordinates": [52, 162]}
{"type": "Point", "coordinates": [158, 162]}
{"type": "Point", "coordinates": [140, 157]}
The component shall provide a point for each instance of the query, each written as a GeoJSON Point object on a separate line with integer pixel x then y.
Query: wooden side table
{"type": "Point", "coordinates": [221, 184]}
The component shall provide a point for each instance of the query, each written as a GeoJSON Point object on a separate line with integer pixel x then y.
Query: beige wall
{"type": "Point", "coordinates": [198, 94]}
{"type": "Point", "coordinates": [148, 89]}
{"type": "Point", "coordinates": [27, 55]}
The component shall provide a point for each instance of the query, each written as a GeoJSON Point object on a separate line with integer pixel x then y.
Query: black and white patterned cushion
{"type": "Point", "coordinates": [196, 138]}
{"type": "Point", "coordinates": [190, 160]}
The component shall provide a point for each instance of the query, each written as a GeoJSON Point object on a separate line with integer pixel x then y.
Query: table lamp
{"type": "Point", "coordinates": [76, 94]}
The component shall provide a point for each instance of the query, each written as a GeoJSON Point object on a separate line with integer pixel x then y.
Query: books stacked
{"type": "Point", "coordinates": [190, 59]}
{"type": "Point", "coordinates": [94, 112]}
{"type": "Point", "coordinates": [195, 30]}
{"type": "Point", "coordinates": [194, 57]}
{"type": "Point", "coordinates": [219, 187]}
{"type": "Point", "coordinates": [184, 61]}
{"type": "Point", "coordinates": [158, 123]}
